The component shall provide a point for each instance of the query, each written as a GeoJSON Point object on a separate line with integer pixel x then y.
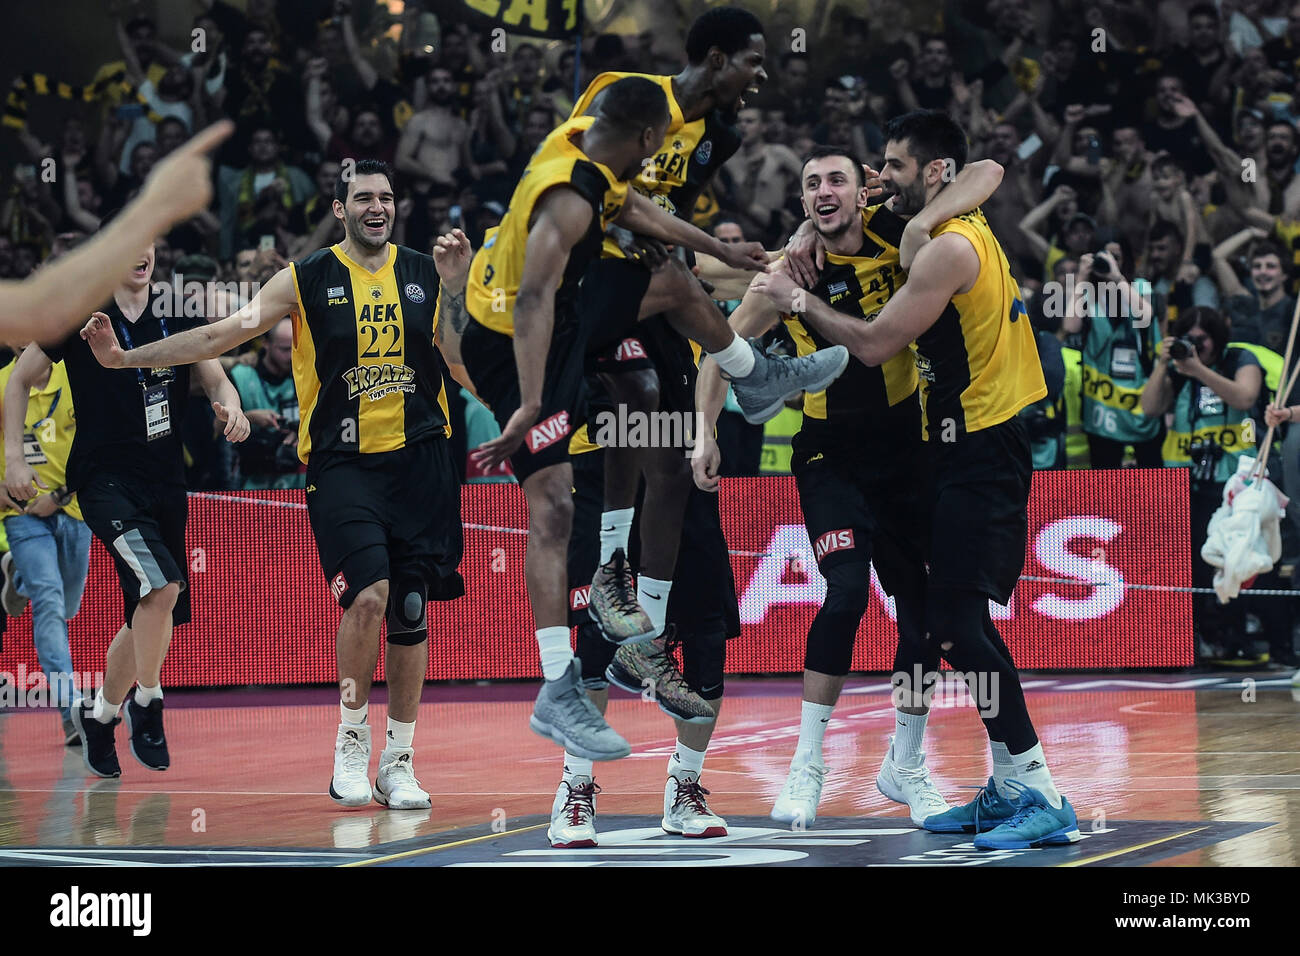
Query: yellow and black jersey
{"type": "Point", "coordinates": [979, 362]}
{"type": "Point", "coordinates": [364, 364]}
{"type": "Point", "coordinates": [498, 266]}
{"type": "Point", "coordinates": [691, 152]}
{"type": "Point", "coordinates": [863, 398]}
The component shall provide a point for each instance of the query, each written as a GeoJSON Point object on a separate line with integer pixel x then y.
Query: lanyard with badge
{"type": "Point", "coordinates": [1124, 351]}
{"type": "Point", "coordinates": [33, 453]}
{"type": "Point", "coordinates": [157, 414]}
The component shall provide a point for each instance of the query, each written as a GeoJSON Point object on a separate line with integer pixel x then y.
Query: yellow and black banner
{"type": "Point", "coordinates": [538, 18]}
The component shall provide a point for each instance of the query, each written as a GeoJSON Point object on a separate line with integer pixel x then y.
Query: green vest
{"type": "Point", "coordinates": [256, 392]}
{"type": "Point", "coordinates": [1076, 442]}
{"type": "Point", "coordinates": [1117, 361]}
{"type": "Point", "coordinates": [1269, 361]}
{"type": "Point", "coordinates": [1202, 417]}
{"type": "Point", "coordinates": [777, 434]}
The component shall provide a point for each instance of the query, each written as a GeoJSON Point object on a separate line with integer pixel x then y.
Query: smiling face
{"type": "Point", "coordinates": [368, 214]}
{"type": "Point", "coordinates": [1280, 145]}
{"type": "Point", "coordinates": [1266, 272]}
{"type": "Point", "coordinates": [903, 179]}
{"type": "Point", "coordinates": [831, 194]}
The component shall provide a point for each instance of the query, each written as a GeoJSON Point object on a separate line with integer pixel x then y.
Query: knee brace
{"type": "Point", "coordinates": [704, 657]}
{"type": "Point", "coordinates": [830, 639]}
{"type": "Point", "coordinates": [408, 608]}
{"type": "Point", "coordinates": [596, 653]}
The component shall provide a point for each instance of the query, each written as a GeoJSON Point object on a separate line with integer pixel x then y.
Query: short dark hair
{"type": "Point", "coordinates": [822, 151]}
{"type": "Point", "coordinates": [363, 167]}
{"type": "Point", "coordinates": [1203, 10]}
{"type": "Point", "coordinates": [931, 135]}
{"type": "Point", "coordinates": [1266, 247]}
{"type": "Point", "coordinates": [632, 103]}
{"type": "Point", "coordinates": [1203, 317]}
{"type": "Point", "coordinates": [1164, 229]}
{"type": "Point", "coordinates": [727, 28]}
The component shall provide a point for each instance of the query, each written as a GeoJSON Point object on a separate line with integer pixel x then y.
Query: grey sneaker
{"type": "Point", "coordinates": [775, 379]}
{"type": "Point", "coordinates": [565, 714]}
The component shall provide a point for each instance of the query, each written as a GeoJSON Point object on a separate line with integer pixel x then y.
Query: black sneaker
{"type": "Point", "coordinates": [98, 751]}
{"type": "Point", "coordinates": [148, 743]}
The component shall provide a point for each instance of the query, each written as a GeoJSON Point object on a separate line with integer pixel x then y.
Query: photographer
{"type": "Point", "coordinates": [1119, 353]}
{"type": "Point", "coordinates": [1211, 390]}
{"type": "Point", "coordinates": [269, 458]}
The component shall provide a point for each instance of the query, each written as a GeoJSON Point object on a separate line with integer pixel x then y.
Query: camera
{"type": "Point", "coordinates": [1100, 266]}
{"type": "Point", "coordinates": [1182, 348]}
{"type": "Point", "coordinates": [1205, 457]}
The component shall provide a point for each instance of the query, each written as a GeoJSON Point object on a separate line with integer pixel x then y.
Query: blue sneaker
{"type": "Point", "coordinates": [1035, 823]}
{"type": "Point", "coordinates": [989, 809]}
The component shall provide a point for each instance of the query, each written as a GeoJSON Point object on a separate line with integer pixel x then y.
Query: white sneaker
{"type": "Point", "coordinates": [911, 787]}
{"type": "Point", "coordinates": [573, 814]}
{"type": "Point", "coordinates": [396, 786]}
{"type": "Point", "coordinates": [350, 785]}
{"type": "Point", "coordinates": [797, 803]}
{"type": "Point", "coordinates": [687, 813]}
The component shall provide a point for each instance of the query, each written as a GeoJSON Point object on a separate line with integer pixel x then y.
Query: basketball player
{"type": "Point", "coordinates": [382, 493]}
{"type": "Point", "coordinates": [976, 355]}
{"type": "Point", "coordinates": [857, 461]}
{"type": "Point", "coordinates": [651, 366]}
{"type": "Point", "coordinates": [523, 350]}
{"type": "Point", "coordinates": [127, 466]}
{"type": "Point", "coordinates": [55, 299]}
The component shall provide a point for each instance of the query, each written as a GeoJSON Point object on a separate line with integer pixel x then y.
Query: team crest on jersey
{"type": "Point", "coordinates": [376, 292]}
{"type": "Point", "coordinates": [704, 151]}
{"type": "Point", "coordinates": [414, 292]}
{"type": "Point", "coordinates": [678, 145]}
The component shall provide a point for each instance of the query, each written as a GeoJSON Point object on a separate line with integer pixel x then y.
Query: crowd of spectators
{"type": "Point", "coordinates": [1152, 146]}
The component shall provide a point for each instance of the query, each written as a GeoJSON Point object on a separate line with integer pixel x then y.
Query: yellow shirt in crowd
{"type": "Point", "coordinates": [47, 440]}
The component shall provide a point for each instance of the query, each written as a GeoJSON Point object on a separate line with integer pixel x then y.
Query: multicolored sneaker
{"type": "Point", "coordinates": [686, 812]}
{"type": "Point", "coordinates": [1035, 823]}
{"type": "Point", "coordinates": [989, 809]}
{"type": "Point", "coordinates": [613, 604]}
{"type": "Point", "coordinates": [573, 814]}
{"type": "Point", "coordinates": [638, 667]}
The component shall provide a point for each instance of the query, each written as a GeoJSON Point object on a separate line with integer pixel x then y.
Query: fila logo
{"type": "Point", "coordinates": [833, 541]}
{"type": "Point", "coordinates": [548, 432]}
{"type": "Point", "coordinates": [338, 586]}
{"type": "Point", "coordinates": [579, 597]}
{"type": "Point", "coordinates": [629, 349]}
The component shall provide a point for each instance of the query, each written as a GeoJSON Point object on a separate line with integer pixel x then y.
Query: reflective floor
{"type": "Point", "coordinates": [251, 770]}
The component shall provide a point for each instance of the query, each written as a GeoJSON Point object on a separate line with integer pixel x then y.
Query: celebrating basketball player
{"type": "Point", "coordinates": [857, 461]}
{"type": "Point", "coordinates": [382, 494]}
{"type": "Point", "coordinates": [979, 364]}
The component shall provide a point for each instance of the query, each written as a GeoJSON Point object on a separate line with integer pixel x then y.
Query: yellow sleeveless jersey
{"type": "Point", "coordinates": [51, 424]}
{"type": "Point", "coordinates": [690, 155]}
{"type": "Point", "coordinates": [498, 266]}
{"type": "Point", "coordinates": [364, 365]}
{"type": "Point", "coordinates": [978, 363]}
{"type": "Point", "coordinates": [863, 398]}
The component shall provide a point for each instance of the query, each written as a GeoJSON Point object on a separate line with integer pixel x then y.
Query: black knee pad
{"type": "Point", "coordinates": [831, 636]}
{"type": "Point", "coordinates": [408, 610]}
{"type": "Point", "coordinates": [596, 653]}
{"type": "Point", "coordinates": [704, 657]}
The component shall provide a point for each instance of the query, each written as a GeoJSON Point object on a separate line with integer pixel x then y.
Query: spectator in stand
{"type": "Point", "coordinates": [1258, 312]}
{"type": "Point", "coordinates": [269, 458]}
{"type": "Point", "coordinates": [790, 90]}
{"type": "Point", "coordinates": [930, 84]}
{"type": "Point", "coordinates": [1174, 134]}
{"type": "Point", "coordinates": [261, 93]}
{"type": "Point", "coordinates": [256, 201]}
{"type": "Point", "coordinates": [491, 142]}
{"type": "Point", "coordinates": [1283, 52]}
{"type": "Point", "coordinates": [763, 178]}
{"type": "Point", "coordinates": [1074, 234]}
{"type": "Point", "coordinates": [1203, 64]}
{"type": "Point", "coordinates": [1211, 392]}
{"type": "Point", "coordinates": [435, 141]}
{"type": "Point", "coordinates": [313, 224]}
{"type": "Point", "coordinates": [1175, 280]}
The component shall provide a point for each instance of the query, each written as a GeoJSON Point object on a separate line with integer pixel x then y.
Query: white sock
{"type": "Point", "coordinates": [652, 595]}
{"type": "Point", "coordinates": [685, 761]}
{"type": "Point", "coordinates": [576, 767]}
{"type": "Point", "coordinates": [1003, 767]}
{"type": "Point", "coordinates": [812, 728]}
{"type": "Point", "coordinates": [615, 527]}
{"type": "Point", "coordinates": [909, 732]}
{"type": "Point", "coordinates": [553, 645]}
{"type": "Point", "coordinates": [737, 359]}
{"type": "Point", "coordinates": [355, 715]}
{"type": "Point", "coordinates": [1031, 770]}
{"type": "Point", "coordinates": [400, 736]}
{"type": "Point", "coordinates": [104, 712]}
{"type": "Point", "coordinates": [143, 695]}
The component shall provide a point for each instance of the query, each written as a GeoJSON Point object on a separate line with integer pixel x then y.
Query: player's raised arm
{"type": "Point", "coordinates": [276, 299]}
{"type": "Point", "coordinates": [754, 316]}
{"type": "Point", "coordinates": [58, 297]}
{"type": "Point", "coordinates": [642, 215]}
{"type": "Point", "coordinates": [563, 217]}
